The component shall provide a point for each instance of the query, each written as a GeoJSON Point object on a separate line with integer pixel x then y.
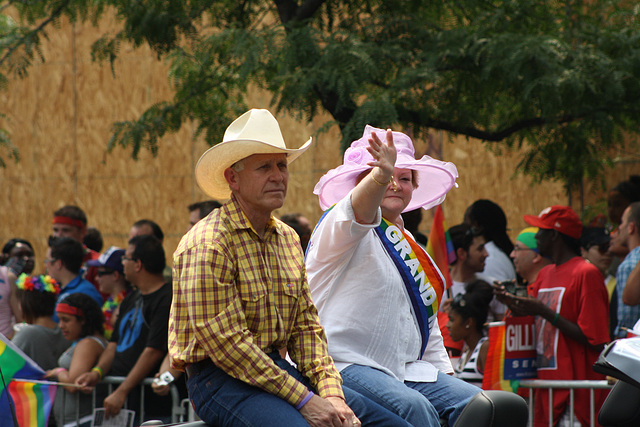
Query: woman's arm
{"type": "Point", "coordinates": [85, 357]}
{"type": "Point", "coordinates": [482, 356]}
{"type": "Point", "coordinates": [631, 293]}
{"type": "Point", "coordinates": [369, 192]}
{"type": "Point", "coordinates": [13, 299]}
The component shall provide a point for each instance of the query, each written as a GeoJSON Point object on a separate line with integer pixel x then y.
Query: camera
{"type": "Point", "coordinates": [164, 379]}
{"type": "Point", "coordinates": [513, 288]}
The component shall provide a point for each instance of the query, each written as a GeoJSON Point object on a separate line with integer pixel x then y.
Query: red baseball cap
{"type": "Point", "coordinates": [561, 218]}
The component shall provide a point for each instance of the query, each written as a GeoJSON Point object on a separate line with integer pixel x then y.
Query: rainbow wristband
{"type": "Point", "coordinates": [304, 401]}
{"type": "Point", "coordinates": [98, 370]}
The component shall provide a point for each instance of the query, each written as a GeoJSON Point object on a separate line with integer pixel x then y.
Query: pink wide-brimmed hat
{"type": "Point", "coordinates": [435, 177]}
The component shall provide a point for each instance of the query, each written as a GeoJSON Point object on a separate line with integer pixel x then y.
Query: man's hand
{"type": "Point", "coordinates": [521, 306]}
{"type": "Point", "coordinates": [350, 418]}
{"type": "Point", "coordinates": [445, 305]}
{"type": "Point", "coordinates": [113, 403]}
{"type": "Point", "coordinates": [330, 412]}
{"type": "Point", "coordinates": [88, 381]}
{"type": "Point", "coordinates": [160, 388]}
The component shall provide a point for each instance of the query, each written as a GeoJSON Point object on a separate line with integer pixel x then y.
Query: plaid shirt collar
{"type": "Point", "coordinates": [239, 221]}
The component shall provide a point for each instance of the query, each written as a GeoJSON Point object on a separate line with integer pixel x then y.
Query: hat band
{"type": "Point", "coordinates": [68, 221]}
{"type": "Point", "coordinates": [67, 309]}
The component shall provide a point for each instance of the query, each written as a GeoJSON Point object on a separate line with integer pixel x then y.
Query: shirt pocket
{"type": "Point", "coordinates": [253, 294]}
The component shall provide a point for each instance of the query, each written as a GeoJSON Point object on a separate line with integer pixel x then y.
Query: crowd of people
{"type": "Point", "coordinates": [351, 324]}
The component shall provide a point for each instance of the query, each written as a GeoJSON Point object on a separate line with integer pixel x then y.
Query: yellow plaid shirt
{"type": "Point", "coordinates": [237, 297]}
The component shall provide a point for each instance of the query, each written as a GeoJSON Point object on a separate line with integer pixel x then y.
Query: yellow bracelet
{"type": "Point", "coordinates": [98, 370]}
{"type": "Point", "coordinates": [380, 183]}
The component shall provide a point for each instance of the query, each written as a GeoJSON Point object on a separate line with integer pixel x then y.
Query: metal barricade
{"type": "Point", "coordinates": [571, 385]}
{"type": "Point", "coordinates": [179, 411]}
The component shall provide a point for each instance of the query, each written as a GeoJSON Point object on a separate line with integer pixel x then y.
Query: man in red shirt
{"type": "Point", "coordinates": [572, 312]}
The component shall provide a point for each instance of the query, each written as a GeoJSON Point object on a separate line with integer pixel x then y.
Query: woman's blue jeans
{"type": "Point", "coordinates": [421, 404]}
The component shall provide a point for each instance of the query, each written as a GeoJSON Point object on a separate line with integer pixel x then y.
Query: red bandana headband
{"type": "Point", "coordinates": [67, 309]}
{"type": "Point", "coordinates": [68, 221]}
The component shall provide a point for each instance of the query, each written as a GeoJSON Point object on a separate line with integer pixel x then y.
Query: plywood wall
{"type": "Point", "coordinates": [60, 119]}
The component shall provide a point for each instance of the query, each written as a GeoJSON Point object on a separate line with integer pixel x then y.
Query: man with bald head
{"type": "Point", "coordinates": [526, 256]}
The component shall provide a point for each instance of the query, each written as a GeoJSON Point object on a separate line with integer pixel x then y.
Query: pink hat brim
{"type": "Point", "coordinates": [435, 177]}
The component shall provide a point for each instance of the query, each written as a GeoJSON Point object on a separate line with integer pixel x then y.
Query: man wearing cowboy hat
{"type": "Point", "coordinates": [241, 294]}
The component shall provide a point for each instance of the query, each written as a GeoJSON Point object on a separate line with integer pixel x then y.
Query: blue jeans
{"type": "Point", "coordinates": [421, 404]}
{"type": "Point", "coordinates": [221, 400]}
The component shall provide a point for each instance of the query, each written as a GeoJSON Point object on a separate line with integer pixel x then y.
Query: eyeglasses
{"type": "Point", "coordinates": [518, 248]}
{"type": "Point", "coordinates": [101, 273]}
{"type": "Point", "coordinates": [126, 258]}
{"type": "Point", "coordinates": [48, 260]}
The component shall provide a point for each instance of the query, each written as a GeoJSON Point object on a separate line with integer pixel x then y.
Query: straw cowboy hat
{"type": "Point", "coordinates": [435, 177]}
{"type": "Point", "coordinates": [254, 132]}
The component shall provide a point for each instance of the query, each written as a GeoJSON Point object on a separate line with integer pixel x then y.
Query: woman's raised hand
{"type": "Point", "coordinates": [384, 155]}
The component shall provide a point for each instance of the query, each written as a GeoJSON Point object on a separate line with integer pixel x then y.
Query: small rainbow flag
{"type": "Point", "coordinates": [32, 400]}
{"type": "Point", "coordinates": [439, 246]}
{"type": "Point", "coordinates": [494, 367]}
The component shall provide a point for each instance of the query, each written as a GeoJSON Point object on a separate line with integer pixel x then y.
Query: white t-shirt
{"type": "Point", "coordinates": [496, 308]}
{"type": "Point", "coordinates": [362, 301]}
{"type": "Point", "coordinates": [498, 265]}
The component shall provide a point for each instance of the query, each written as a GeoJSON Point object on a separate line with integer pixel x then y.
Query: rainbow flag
{"type": "Point", "coordinates": [494, 367]}
{"type": "Point", "coordinates": [439, 246]}
{"type": "Point", "coordinates": [32, 400]}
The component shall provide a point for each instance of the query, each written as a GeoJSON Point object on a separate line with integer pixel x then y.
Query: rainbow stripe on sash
{"type": "Point", "coordinates": [422, 279]}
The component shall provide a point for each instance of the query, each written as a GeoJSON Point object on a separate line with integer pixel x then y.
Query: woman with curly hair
{"type": "Point", "coordinates": [82, 323]}
{"type": "Point", "coordinates": [467, 316]}
{"type": "Point", "coordinates": [41, 339]}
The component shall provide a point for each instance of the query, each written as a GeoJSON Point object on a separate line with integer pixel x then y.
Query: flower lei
{"type": "Point", "coordinates": [42, 283]}
{"type": "Point", "coordinates": [108, 308]}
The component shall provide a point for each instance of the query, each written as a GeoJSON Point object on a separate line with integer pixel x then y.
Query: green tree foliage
{"type": "Point", "coordinates": [560, 79]}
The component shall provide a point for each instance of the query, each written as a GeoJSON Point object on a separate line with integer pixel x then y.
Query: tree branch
{"type": "Point", "coordinates": [329, 101]}
{"type": "Point", "coordinates": [289, 9]}
{"type": "Point", "coordinates": [55, 14]}
{"type": "Point", "coordinates": [307, 9]}
{"type": "Point", "coordinates": [286, 10]}
{"type": "Point", "coordinates": [486, 135]}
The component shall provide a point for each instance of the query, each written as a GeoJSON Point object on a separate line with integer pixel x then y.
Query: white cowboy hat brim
{"type": "Point", "coordinates": [211, 166]}
{"type": "Point", "coordinates": [254, 132]}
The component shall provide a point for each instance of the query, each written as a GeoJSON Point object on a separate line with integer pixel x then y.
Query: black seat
{"type": "Point", "coordinates": [494, 408]}
{"type": "Point", "coordinates": [621, 407]}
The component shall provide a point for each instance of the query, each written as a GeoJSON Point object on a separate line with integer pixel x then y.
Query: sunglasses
{"type": "Point", "coordinates": [101, 273]}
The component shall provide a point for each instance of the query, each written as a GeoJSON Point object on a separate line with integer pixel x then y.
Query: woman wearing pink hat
{"type": "Point", "coordinates": [376, 290]}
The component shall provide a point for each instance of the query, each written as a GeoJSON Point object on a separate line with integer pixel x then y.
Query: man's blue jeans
{"type": "Point", "coordinates": [421, 404]}
{"type": "Point", "coordinates": [221, 400]}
